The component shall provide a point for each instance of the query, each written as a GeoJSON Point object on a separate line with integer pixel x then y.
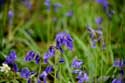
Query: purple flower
{"type": "Point", "coordinates": [47, 3]}
{"type": "Point", "coordinates": [61, 60]}
{"type": "Point", "coordinates": [28, 81]}
{"type": "Point", "coordinates": [29, 56]}
{"type": "Point", "coordinates": [50, 53]}
{"type": "Point", "coordinates": [117, 81]}
{"type": "Point", "coordinates": [10, 59]}
{"type": "Point", "coordinates": [118, 63]}
{"type": "Point", "coordinates": [56, 6]}
{"type": "Point", "coordinates": [10, 14]}
{"type": "Point", "coordinates": [49, 69]}
{"type": "Point", "coordinates": [15, 68]}
{"type": "Point", "coordinates": [63, 38]}
{"type": "Point", "coordinates": [69, 13]}
{"type": "Point", "coordinates": [27, 3]}
{"type": "Point", "coordinates": [82, 77]}
{"type": "Point", "coordinates": [104, 3]}
{"type": "Point", "coordinates": [76, 63]}
{"type": "Point", "coordinates": [25, 73]}
{"type": "Point", "coordinates": [99, 20]}
{"type": "Point", "coordinates": [76, 71]}
{"type": "Point", "coordinates": [37, 59]}
{"type": "Point", "coordinates": [43, 76]}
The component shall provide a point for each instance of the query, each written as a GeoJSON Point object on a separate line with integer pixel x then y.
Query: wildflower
{"type": "Point", "coordinates": [47, 3]}
{"type": "Point", "coordinates": [118, 63]}
{"type": "Point", "coordinates": [5, 68]}
{"type": "Point", "coordinates": [49, 54]}
{"type": "Point", "coordinates": [96, 36]}
{"type": "Point", "coordinates": [61, 60]}
{"type": "Point", "coordinates": [69, 13]}
{"type": "Point", "coordinates": [27, 3]}
{"type": "Point", "coordinates": [76, 63]}
{"type": "Point", "coordinates": [29, 56]}
{"type": "Point", "coordinates": [11, 58]}
{"type": "Point", "coordinates": [37, 59]}
{"type": "Point", "coordinates": [63, 38]}
{"type": "Point", "coordinates": [82, 77]}
{"type": "Point", "coordinates": [15, 68]}
{"type": "Point", "coordinates": [99, 20]}
{"type": "Point", "coordinates": [25, 73]}
{"type": "Point", "coordinates": [56, 6]}
{"type": "Point", "coordinates": [47, 71]}
{"type": "Point", "coordinates": [117, 81]}
{"type": "Point", "coordinates": [104, 3]}
{"type": "Point", "coordinates": [76, 71]}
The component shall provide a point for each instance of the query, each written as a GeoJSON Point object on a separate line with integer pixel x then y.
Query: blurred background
{"type": "Point", "coordinates": [33, 24]}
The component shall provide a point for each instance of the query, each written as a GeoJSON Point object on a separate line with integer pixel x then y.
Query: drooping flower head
{"type": "Point", "coordinates": [27, 3]}
{"type": "Point", "coordinates": [50, 53]}
{"type": "Point", "coordinates": [82, 77]}
{"type": "Point", "coordinates": [99, 20]}
{"type": "Point", "coordinates": [104, 3]}
{"type": "Point", "coordinates": [117, 81]}
{"type": "Point", "coordinates": [76, 63]}
{"type": "Point", "coordinates": [29, 56]}
{"type": "Point", "coordinates": [118, 63]}
{"type": "Point", "coordinates": [64, 38]}
{"type": "Point", "coordinates": [10, 59]}
{"type": "Point", "coordinates": [47, 3]}
{"type": "Point", "coordinates": [56, 6]}
{"type": "Point", "coordinates": [37, 59]}
{"type": "Point", "coordinates": [26, 73]}
{"type": "Point", "coordinates": [69, 13]}
{"type": "Point", "coordinates": [45, 73]}
{"type": "Point", "coordinates": [15, 67]}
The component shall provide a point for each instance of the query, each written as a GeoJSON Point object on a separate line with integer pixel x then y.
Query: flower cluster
{"type": "Point", "coordinates": [81, 76]}
{"type": "Point", "coordinates": [96, 36]}
{"type": "Point", "coordinates": [44, 74]}
{"type": "Point", "coordinates": [32, 56]}
{"type": "Point", "coordinates": [62, 38]}
{"type": "Point", "coordinates": [105, 5]}
{"type": "Point", "coordinates": [119, 64]}
{"type": "Point", "coordinates": [10, 60]}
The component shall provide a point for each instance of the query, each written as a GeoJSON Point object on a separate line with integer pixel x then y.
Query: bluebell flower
{"type": "Point", "coordinates": [29, 81]}
{"type": "Point", "coordinates": [37, 59]}
{"type": "Point", "coordinates": [118, 63]}
{"type": "Point", "coordinates": [15, 67]}
{"type": "Point", "coordinates": [10, 14]}
{"type": "Point", "coordinates": [29, 56]}
{"type": "Point", "coordinates": [25, 73]}
{"type": "Point", "coordinates": [69, 13]}
{"type": "Point", "coordinates": [91, 32]}
{"type": "Point", "coordinates": [50, 53]}
{"type": "Point", "coordinates": [45, 73]}
{"type": "Point", "coordinates": [104, 3]}
{"type": "Point", "coordinates": [49, 69]}
{"type": "Point", "coordinates": [82, 77]}
{"type": "Point", "coordinates": [47, 3]}
{"type": "Point", "coordinates": [10, 59]}
{"type": "Point", "coordinates": [99, 20]}
{"type": "Point", "coordinates": [63, 38]}
{"type": "Point", "coordinates": [56, 6]}
{"type": "Point", "coordinates": [27, 3]}
{"type": "Point", "coordinates": [117, 81]}
{"type": "Point", "coordinates": [61, 60]}
{"type": "Point", "coordinates": [76, 63]}
{"type": "Point", "coordinates": [76, 71]}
